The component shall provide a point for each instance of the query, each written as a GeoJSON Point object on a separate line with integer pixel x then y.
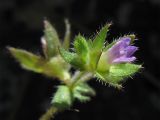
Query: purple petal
{"type": "Point", "coordinates": [121, 51]}
{"type": "Point", "coordinates": [131, 50]}
{"type": "Point", "coordinates": [125, 40]}
{"type": "Point", "coordinates": [124, 59]}
{"type": "Point", "coordinates": [118, 50]}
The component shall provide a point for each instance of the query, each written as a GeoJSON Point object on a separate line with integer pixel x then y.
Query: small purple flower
{"type": "Point", "coordinates": [122, 51]}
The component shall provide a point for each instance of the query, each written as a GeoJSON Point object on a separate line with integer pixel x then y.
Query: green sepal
{"type": "Point", "coordinates": [81, 47]}
{"type": "Point", "coordinates": [117, 73]}
{"type": "Point", "coordinates": [132, 36]}
{"type": "Point", "coordinates": [94, 58]}
{"type": "Point", "coordinates": [109, 45]}
{"type": "Point", "coordinates": [83, 92]}
{"type": "Point", "coordinates": [99, 39]}
{"type": "Point", "coordinates": [52, 39]}
{"type": "Point", "coordinates": [62, 98]}
{"type": "Point", "coordinates": [124, 69]}
{"type": "Point", "coordinates": [72, 58]}
{"type": "Point", "coordinates": [97, 46]}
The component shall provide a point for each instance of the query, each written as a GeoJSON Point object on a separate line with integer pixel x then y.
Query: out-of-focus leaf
{"type": "Point", "coordinates": [55, 67]}
{"type": "Point", "coordinates": [27, 60]}
{"type": "Point", "coordinates": [62, 98]}
{"type": "Point", "coordinates": [52, 39]}
{"type": "Point", "coordinates": [83, 92]}
{"type": "Point", "coordinates": [67, 37]}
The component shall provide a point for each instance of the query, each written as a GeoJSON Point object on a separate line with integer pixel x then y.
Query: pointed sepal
{"type": "Point", "coordinates": [99, 39]}
{"type": "Point", "coordinates": [98, 46]}
{"type": "Point", "coordinates": [118, 73]}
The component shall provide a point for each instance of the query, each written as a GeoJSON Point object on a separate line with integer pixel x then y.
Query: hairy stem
{"type": "Point", "coordinates": [50, 114]}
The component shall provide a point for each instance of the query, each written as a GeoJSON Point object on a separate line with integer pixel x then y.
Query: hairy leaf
{"type": "Point", "coordinates": [81, 47]}
{"type": "Point", "coordinates": [72, 58]}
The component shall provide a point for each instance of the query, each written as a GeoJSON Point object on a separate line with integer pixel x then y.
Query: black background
{"type": "Point", "coordinates": [25, 95]}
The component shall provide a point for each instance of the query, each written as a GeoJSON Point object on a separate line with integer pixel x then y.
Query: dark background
{"type": "Point", "coordinates": [25, 95]}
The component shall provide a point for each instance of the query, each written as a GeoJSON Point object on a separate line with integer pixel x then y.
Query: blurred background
{"type": "Point", "coordinates": [26, 95]}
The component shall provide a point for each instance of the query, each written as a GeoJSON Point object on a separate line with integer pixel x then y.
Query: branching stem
{"type": "Point", "coordinates": [78, 76]}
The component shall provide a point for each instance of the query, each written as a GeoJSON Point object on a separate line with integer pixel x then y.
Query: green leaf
{"type": "Point", "coordinates": [27, 60]}
{"type": "Point", "coordinates": [67, 37]}
{"type": "Point", "coordinates": [99, 40]}
{"type": "Point", "coordinates": [52, 39]}
{"type": "Point", "coordinates": [72, 58]}
{"type": "Point", "coordinates": [83, 92]}
{"type": "Point", "coordinates": [81, 47]}
{"type": "Point", "coordinates": [62, 98]}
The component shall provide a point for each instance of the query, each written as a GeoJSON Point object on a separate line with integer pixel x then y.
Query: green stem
{"type": "Point", "coordinates": [80, 76]}
{"type": "Point", "coordinates": [50, 114]}
{"type": "Point", "coordinates": [76, 76]}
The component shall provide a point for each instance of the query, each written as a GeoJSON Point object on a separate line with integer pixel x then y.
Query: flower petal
{"type": "Point", "coordinates": [118, 49]}
{"type": "Point", "coordinates": [131, 50]}
{"type": "Point", "coordinates": [127, 40]}
{"type": "Point", "coordinates": [120, 44]}
{"type": "Point", "coordinates": [124, 59]}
